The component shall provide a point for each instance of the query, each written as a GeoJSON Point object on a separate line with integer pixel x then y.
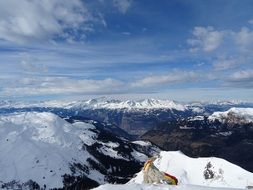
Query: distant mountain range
{"type": "Point", "coordinates": [105, 103]}
{"type": "Point", "coordinates": [135, 117]}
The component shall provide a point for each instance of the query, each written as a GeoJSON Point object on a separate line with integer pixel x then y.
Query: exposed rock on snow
{"type": "Point", "coordinates": [212, 172]}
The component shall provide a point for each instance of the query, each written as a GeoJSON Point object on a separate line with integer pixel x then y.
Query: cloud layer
{"type": "Point", "coordinates": [241, 79]}
{"type": "Point", "coordinates": [208, 39]}
{"type": "Point", "coordinates": [40, 86]}
{"type": "Point", "coordinates": [171, 78]}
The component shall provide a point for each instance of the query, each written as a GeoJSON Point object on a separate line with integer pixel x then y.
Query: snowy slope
{"type": "Point", "coordinates": [158, 187]}
{"type": "Point", "coordinates": [45, 148]}
{"type": "Point", "coordinates": [191, 171]}
{"type": "Point", "coordinates": [245, 114]}
{"type": "Point", "coordinates": [39, 146]}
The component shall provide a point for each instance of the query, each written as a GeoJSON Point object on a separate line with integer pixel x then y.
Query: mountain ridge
{"type": "Point", "coordinates": [107, 103]}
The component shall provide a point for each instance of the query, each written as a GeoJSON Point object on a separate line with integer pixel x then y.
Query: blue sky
{"type": "Point", "coordinates": [169, 49]}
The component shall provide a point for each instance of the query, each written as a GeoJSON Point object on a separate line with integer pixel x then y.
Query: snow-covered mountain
{"type": "Point", "coordinates": [193, 174]}
{"type": "Point", "coordinates": [118, 104]}
{"type": "Point", "coordinates": [242, 115]}
{"type": "Point", "coordinates": [130, 104]}
{"type": "Point", "coordinates": [212, 172]}
{"type": "Point", "coordinates": [100, 103]}
{"type": "Point", "coordinates": [104, 103]}
{"type": "Point", "coordinates": [134, 116]}
{"type": "Point", "coordinates": [223, 134]}
{"type": "Point", "coordinates": [42, 149]}
{"type": "Point", "coordinates": [40, 146]}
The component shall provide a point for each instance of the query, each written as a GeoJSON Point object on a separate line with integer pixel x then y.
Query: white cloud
{"type": "Point", "coordinates": [242, 75]}
{"type": "Point", "coordinates": [122, 5]}
{"type": "Point", "coordinates": [206, 39]}
{"type": "Point", "coordinates": [41, 20]}
{"type": "Point", "coordinates": [233, 51]}
{"type": "Point", "coordinates": [38, 86]}
{"type": "Point", "coordinates": [32, 86]}
{"type": "Point", "coordinates": [243, 79]}
{"type": "Point", "coordinates": [170, 78]}
{"type": "Point", "coordinates": [222, 64]}
{"type": "Point", "coordinates": [244, 38]}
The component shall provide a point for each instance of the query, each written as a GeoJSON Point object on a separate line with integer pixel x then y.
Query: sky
{"type": "Point", "coordinates": [184, 50]}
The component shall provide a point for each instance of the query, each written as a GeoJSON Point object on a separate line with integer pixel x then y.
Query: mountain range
{"type": "Point", "coordinates": [83, 144]}
{"type": "Point", "coordinates": [135, 117]}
